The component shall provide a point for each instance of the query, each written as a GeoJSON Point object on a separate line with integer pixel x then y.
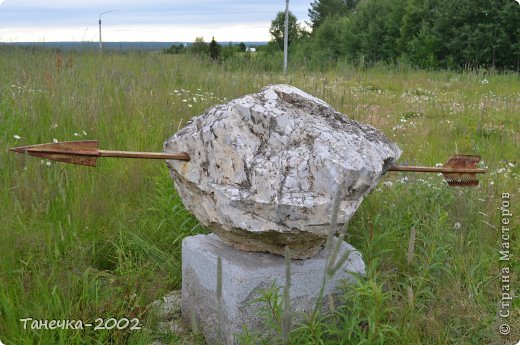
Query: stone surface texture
{"type": "Point", "coordinates": [167, 312]}
{"type": "Point", "coordinates": [243, 275]}
{"type": "Point", "coordinates": [265, 169]}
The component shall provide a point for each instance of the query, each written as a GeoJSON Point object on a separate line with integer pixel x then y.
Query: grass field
{"type": "Point", "coordinates": [81, 243]}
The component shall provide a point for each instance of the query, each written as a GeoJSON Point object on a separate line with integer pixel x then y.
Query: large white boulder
{"type": "Point", "coordinates": [265, 169]}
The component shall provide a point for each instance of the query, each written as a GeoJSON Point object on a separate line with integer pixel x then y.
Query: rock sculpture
{"type": "Point", "coordinates": [265, 169]}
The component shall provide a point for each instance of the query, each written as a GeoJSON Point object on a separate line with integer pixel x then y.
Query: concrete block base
{"type": "Point", "coordinates": [243, 274]}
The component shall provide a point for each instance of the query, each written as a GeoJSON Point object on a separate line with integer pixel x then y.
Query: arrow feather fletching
{"type": "Point", "coordinates": [462, 162]}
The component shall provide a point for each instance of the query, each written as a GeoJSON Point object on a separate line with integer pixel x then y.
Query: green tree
{"type": "Point", "coordinates": [278, 27]}
{"type": "Point", "coordinates": [329, 37]}
{"type": "Point", "coordinates": [458, 34]}
{"type": "Point", "coordinates": [242, 47]}
{"type": "Point", "coordinates": [508, 51]}
{"type": "Point", "coordinates": [426, 33]}
{"type": "Point", "coordinates": [174, 49]}
{"type": "Point", "coordinates": [372, 32]}
{"type": "Point", "coordinates": [199, 47]}
{"type": "Point", "coordinates": [214, 50]}
{"type": "Point", "coordinates": [322, 9]}
{"type": "Point", "coordinates": [480, 33]}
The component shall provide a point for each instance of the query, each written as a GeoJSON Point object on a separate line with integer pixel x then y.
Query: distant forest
{"type": "Point", "coordinates": [453, 34]}
{"type": "Point", "coordinates": [424, 33]}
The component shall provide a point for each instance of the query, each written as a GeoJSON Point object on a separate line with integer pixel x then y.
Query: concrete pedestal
{"type": "Point", "coordinates": [243, 274]}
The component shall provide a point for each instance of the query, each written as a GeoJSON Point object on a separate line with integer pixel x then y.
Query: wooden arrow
{"type": "Point", "coordinates": [460, 170]}
{"type": "Point", "coordinates": [86, 152]}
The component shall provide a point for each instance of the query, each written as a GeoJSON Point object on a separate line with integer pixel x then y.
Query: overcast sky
{"type": "Point", "coordinates": [146, 20]}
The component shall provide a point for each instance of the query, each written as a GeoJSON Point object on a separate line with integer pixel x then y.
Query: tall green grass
{"type": "Point", "coordinates": [82, 243]}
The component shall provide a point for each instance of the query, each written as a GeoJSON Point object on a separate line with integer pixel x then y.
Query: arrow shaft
{"type": "Point", "coordinates": [148, 155]}
{"type": "Point", "coordinates": [185, 157]}
{"type": "Point", "coordinates": [435, 169]}
{"type": "Point", "coordinates": [459, 170]}
{"type": "Point", "coordinates": [111, 153]}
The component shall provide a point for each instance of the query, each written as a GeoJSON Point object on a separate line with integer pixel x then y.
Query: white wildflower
{"type": "Point", "coordinates": [17, 137]}
{"type": "Point", "coordinates": [457, 226]}
{"type": "Point", "coordinates": [84, 133]}
{"type": "Point", "coordinates": [484, 81]}
{"type": "Point", "coordinates": [185, 100]}
{"type": "Point", "coordinates": [48, 163]}
{"type": "Point", "coordinates": [55, 140]}
{"type": "Point", "coordinates": [388, 183]}
{"type": "Point", "coordinates": [511, 165]}
{"type": "Point", "coordinates": [189, 105]}
{"type": "Point", "coordinates": [54, 126]}
{"type": "Point", "coordinates": [438, 165]}
{"type": "Point", "coordinates": [76, 134]}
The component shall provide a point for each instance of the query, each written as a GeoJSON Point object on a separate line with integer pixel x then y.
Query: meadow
{"type": "Point", "coordinates": [81, 243]}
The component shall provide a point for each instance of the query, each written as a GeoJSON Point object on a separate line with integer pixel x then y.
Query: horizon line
{"type": "Point", "coordinates": [108, 42]}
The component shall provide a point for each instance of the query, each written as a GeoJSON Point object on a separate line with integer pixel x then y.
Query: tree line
{"type": "Point", "coordinates": [453, 34]}
{"type": "Point", "coordinates": [423, 33]}
{"type": "Point", "coordinates": [213, 50]}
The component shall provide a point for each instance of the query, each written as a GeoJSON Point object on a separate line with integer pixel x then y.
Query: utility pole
{"type": "Point", "coordinates": [286, 36]}
{"type": "Point", "coordinates": [100, 40]}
